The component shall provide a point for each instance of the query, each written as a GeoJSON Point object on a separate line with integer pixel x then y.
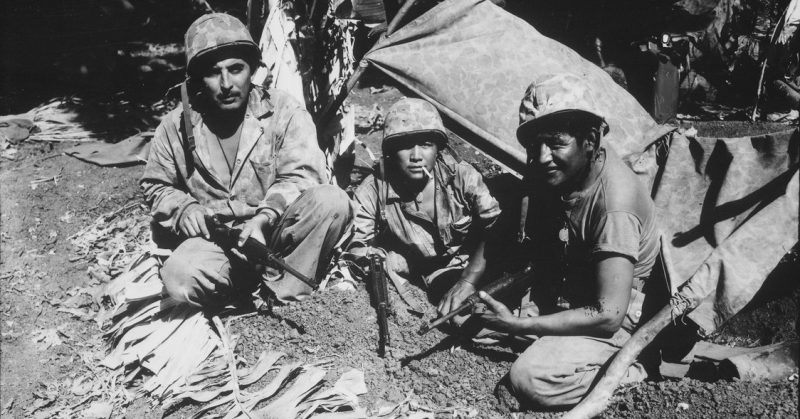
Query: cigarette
{"type": "Point", "coordinates": [427, 173]}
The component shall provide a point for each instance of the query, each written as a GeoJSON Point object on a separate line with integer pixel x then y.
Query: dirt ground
{"type": "Point", "coordinates": [47, 345]}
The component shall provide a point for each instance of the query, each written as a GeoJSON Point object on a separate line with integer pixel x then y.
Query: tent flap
{"type": "Point", "coordinates": [728, 210]}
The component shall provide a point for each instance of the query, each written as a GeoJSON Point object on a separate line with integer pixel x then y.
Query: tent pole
{"type": "Point", "coordinates": [330, 111]}
{"type": "Point", "coordinates": [399, 17]}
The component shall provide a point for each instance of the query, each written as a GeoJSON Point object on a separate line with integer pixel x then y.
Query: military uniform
{"type": "Point", "coordinates": [279, 169]}
{"type": "Point", "coordinates": [614, 215]}
{"type": "Point", "coordinates": [463, 206]}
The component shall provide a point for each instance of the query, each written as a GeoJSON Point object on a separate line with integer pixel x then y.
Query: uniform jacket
{"type": "Point", "coordinates": [278, 158]}
{"type": "Point", "coordinates": [464, 207]}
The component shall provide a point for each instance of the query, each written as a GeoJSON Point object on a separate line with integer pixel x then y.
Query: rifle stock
{"type": "Point", "coordinates": [495, 288]}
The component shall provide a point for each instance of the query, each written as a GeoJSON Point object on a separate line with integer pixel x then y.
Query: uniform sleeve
{"type": "Point", "coordinates": [300, 163]}
{"type": "Point", "coordinates": [484, 206]}
{"type": "Point", "coordinates": [161, 182]}
{"type": "Point", "coordinates": [618, 232]}
{"type": "Point", "coordinates": [366, 198]}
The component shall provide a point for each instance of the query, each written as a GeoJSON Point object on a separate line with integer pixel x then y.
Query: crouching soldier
{"type": "Point", "coordinates": [247, 155]}
{"type": "Point", "coordinates": [595, 243]}
{"type": "Point", "coordinates": [427, 213]}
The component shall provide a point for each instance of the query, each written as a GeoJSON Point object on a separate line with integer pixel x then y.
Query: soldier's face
{"type": "Point", "coordinates": [226, 84]}
{"type": "Point", "coordinates": [558, 159]}
{"type": "Point", "coordinates": [414, 155]}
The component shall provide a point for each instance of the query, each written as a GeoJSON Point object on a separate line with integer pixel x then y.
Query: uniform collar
{"type": "Point", "coordinates": [260, 103]}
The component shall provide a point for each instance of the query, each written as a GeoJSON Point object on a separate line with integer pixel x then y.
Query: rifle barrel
{"type": "Point", "coordinates": [492, 289]}
{"type": "Point", "coordinates": [426, 327]}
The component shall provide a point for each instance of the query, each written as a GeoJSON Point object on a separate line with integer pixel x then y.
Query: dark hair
{"type": "Point", "coordinates": [579, 125]}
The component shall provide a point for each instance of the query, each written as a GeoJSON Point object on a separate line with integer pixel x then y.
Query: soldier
{"type": "Point", "coordinates": [427, 212]}
{"type": "Point", "coordinates": [595, 244]}
{"type": "Point", "coordinates": [247, 155]}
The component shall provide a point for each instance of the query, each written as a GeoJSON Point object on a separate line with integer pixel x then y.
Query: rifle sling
{"type": "Point", "coordinates": [400, 285]}
{"type": "Point", "coordinates": [187, 127]}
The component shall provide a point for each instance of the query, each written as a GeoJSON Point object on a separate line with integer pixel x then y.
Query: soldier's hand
{"type": "Point", "coordinates": [498, 317]}
{"type": "Point", "coordinates": [255, 228]}
{"type": "Point", "coordinates": [455, 296]}
{"type": "Point", "coordinates": [193, 221]}
{"type": "Point", "coordinates": [396, 263]}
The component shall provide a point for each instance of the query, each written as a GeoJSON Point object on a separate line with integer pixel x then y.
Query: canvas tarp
{"type": "Point", "coordinates": [474, 60]}
{"type": "Point", "coordinates": [728, 210]}
{"type": "Point", "coordinates": [723, 205]}
{"type": "Point", "coordinates": [132, 150]}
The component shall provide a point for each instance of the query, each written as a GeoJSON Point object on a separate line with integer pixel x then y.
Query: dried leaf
{"type": "Point", "coordinates": [359, 413]}
{"type": "Point", "coordinates": [221, 402]}
{"type": "Point", "coordinates": [143, 290]}
{"type": "Point", "coordinates": [285, 374]}
{"type": "Point", "coordinates": [82, 386]}
{"type": "Point", "coordinates": [265, 362]}
{"type": "Point", "coordinates": [98, 410]}
{"type": "Point", "coordinates": [351, 382]}
{"type": "Point", "coordinates": [43, 399]}
{"type": "Point", "coordinates": [286, 406]}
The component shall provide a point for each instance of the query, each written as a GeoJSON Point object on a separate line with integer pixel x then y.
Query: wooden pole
{"type": "Point", "coordinates": [398, 18]}
{"type": "Point", "coordinates": [599, 397]}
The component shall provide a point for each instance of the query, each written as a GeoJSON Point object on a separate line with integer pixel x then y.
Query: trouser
{"type": "Point", "coordinates": [202, 274]}
{"type": "Point", "coordinates": [558, 371]}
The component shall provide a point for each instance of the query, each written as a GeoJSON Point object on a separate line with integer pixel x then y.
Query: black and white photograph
{"type": "Point", "coordinates": [399, 209]}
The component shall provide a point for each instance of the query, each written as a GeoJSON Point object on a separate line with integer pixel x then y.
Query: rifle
{"type": "Point", "coordinates": [380, 292]}
{"type": "Point", "coordinates": [501, 286]}
{"type": "Point", "coordinates": [255, 251]}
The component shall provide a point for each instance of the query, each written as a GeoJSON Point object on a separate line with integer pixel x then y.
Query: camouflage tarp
{"type": "Point", "coordinates": [726, 207]}
{"type": "Point", "coordinates": [474, 60]}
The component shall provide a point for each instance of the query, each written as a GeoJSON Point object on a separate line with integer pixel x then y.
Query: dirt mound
{"type": "Point", "coordinates": [436, 371]}
{"type": "Point", "coordinates": [455, 377]}
{"type": "Point", "coordinates": [692, 398]}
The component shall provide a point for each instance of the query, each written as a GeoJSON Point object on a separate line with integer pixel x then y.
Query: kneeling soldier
{"type": "Point", "coordinates": [595, 242]}
{"type": "Point", "coordinates": [247, 155]}
{"type": "Point", "coordinates": [427, 212]}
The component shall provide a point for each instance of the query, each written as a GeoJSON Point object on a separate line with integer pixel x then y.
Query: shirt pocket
{"type": "Point", "coordinates": [264, 177]}
{"type": "Point", "coordinates": [460, 229]}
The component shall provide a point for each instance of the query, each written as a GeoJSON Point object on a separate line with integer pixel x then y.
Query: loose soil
{"type": "Point", "coordinates": [39, 268]}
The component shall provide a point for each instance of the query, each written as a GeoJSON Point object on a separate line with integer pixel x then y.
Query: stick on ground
{"type": "Point", "coordinates": [599, 397]}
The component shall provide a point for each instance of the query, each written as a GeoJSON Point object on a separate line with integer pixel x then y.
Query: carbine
{"type": "Point", "coordinates": [380, 292]}
{"type": "Point", "coordinates": [501, 286]}
{"type": "Point", "coordinates": [256, 252]}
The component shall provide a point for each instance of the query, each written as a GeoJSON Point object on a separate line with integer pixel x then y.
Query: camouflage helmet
{"type": "Point", "coordinates": [556, 94]}
{"type": "Point", "coordinates": [214, 31]}
{"type": "Point", "coordinates": [410, 116]}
